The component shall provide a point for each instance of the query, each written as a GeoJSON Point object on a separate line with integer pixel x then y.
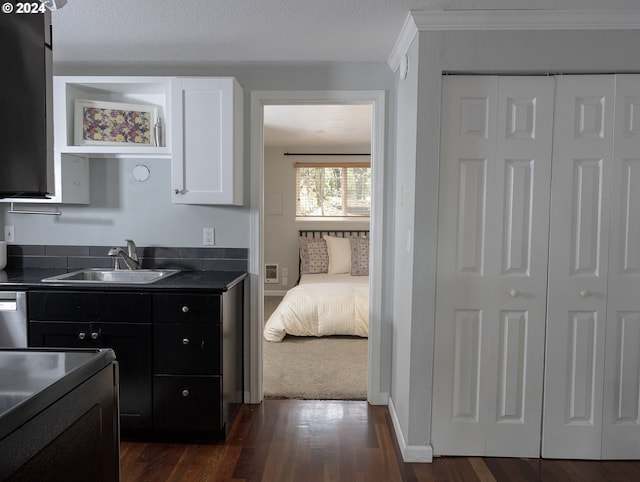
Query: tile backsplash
{"type": "Point", "coordinates": [81, 257]}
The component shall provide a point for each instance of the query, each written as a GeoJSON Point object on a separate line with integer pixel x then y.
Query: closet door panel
{"type": "Point", "coordinates": [515, 349]}
{"type": "Point", "coordinates": [492, 257]}
{"type": "Point", "coordinates": [621, 412]}
{"type": "Point", "coordinates": [578, 266]}
{"type": "Point", "coordinates": [468, 146]}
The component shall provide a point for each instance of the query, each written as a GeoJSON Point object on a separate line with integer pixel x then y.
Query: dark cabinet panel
{"type": "Point", "coordinates": [131, 343]}
{"type": "Point", "coordinates": [187, 403]}
{"type": "Point", "coordinates": [187, 349]}
{"type": "Point", "coordinates": [186, 308]}
{"type": "Point", "coordinates": [89, 306]}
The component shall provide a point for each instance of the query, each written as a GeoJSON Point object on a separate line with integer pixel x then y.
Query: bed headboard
{"type": "Point", "coordinates": [345, 233]}
{"type": "Point", "coordinates": [340, 233]}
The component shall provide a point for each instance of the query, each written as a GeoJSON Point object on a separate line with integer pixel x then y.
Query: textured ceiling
{"type": "Point", "coordinates": [209, 31]}
{"type": "Point", "coordinates": [173, 31]}
{"type": "Point", "coordinates": [304, 126]}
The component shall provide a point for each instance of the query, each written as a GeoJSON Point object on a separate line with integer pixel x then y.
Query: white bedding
{"type": "Point", "coordinates": [321, 305]}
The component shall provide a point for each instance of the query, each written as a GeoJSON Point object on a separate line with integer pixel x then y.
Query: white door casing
{"type": "Point", "coordinates": [578, 265]}
{"type": "Point", "coordinates": [376, 394]}
{"type": "Point", "coordinates": [492, 257]}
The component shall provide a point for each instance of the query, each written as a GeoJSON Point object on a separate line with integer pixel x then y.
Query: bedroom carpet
{"type": "Point", "coordinates": [330, 368]}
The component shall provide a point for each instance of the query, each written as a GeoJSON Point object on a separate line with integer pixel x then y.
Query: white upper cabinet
{"type": "Point", "coordinates": [207, 141]}
{"type": "Point", "coordinates": [195, 122]}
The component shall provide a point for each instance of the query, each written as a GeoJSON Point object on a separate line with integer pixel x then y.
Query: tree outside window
{"type": "Point", "coordinates": [333, 189]}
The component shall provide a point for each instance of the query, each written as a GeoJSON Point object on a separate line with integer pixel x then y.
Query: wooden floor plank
{"type": "Point", "coordinates": [328, 441]}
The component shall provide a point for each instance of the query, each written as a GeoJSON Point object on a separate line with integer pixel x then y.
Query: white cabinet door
{"type": "Point", "coordinates": [621, 410]}
{"type": "Point", "coordinates": [578, 266]}
{"type": "Point", "coordinates": [207, 161]}
{"type": "Point", "coordinates": [492, 258]}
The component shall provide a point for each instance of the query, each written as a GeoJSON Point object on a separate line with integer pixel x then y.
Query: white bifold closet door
{"type": "Point", "coordinates": [592, 376]}
{"type": "Point", "coordinates": [578, 266]}
{"type": "Point", "coordinates": [526, 242]}
{"type": "Point", "coordinates": [621, 414]}
{"type": "Point", "coordinates": [492, 265]}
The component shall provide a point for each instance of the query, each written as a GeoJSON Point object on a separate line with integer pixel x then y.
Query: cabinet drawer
{"type": "Point", "coordinates": [89, 306]}
{"type": "Point", "coordinates": [178, 308]}
{"type": "Point", "coordinates": [187, 403]}
{"type": "Point", "coordinates": [187, 349]}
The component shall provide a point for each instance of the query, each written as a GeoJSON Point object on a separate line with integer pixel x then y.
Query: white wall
{"type": "Point", "coordinates": [121, 207]}
{"type": "Point", "coordinates": [479, 52]}
{"type": "Point", "coordinates": [406, 131]}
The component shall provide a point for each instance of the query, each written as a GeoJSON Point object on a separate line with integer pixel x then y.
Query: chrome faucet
{"type": "Point", "coordinates": [130, 257]}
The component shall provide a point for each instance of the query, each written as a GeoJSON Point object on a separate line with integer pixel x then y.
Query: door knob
{"type": "Point", "coordinates": [185, 393]}
{"type": "Point", "coordinates": [185, 309]}
{"type": "Point", "coordinates": [185, 341]}
{"type": "Point", "coordinates": [514, 293]}
{"type": "Point", "coordinates": [94, 336]}
{"type": "Point", "coordinates": [82, 335]}
{"type": "Point", "coordinates": [585, 293]}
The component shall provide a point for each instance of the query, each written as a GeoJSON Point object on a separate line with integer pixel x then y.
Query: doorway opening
{"type": "Point", "coordinates": [273, 204]}
{"type": "Point", "coordinates": [317, 183]}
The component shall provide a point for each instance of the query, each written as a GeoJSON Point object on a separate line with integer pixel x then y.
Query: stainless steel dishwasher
{"type": "Point", "coordinates": [13, 319]}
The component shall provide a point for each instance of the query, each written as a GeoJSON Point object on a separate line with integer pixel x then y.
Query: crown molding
{"type": "Point", "coordinates": [408, 32]}
{"type": "Point", "coordinates": [442, 20]}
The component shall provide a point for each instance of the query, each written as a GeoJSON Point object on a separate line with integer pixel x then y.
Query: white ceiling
{"type": "Point", "coordinates": [305, 126]}
{"type": "Point", "coordinates": [210, 31]}
{"type": "Point", "coordinates": [171, 31]}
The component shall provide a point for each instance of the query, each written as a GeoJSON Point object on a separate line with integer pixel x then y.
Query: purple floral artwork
{"type": "Point", "coordinates": [116, 125]}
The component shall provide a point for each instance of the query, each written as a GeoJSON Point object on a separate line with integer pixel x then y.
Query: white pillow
{"type": "Point", "coordinates": [339, 254]}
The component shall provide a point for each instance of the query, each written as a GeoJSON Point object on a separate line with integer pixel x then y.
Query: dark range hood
{"type": "Point", "coordinates": [25, 150]}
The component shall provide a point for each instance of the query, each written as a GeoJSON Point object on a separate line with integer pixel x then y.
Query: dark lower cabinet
{"type": "Point", "coordinates": [179, 353]}
{"type": "Point", "coordinates": [131, 343]}
{"type": "Point", "coordinates": [197, 362]}
{"type": "Point", "coordinates": [67, 430]}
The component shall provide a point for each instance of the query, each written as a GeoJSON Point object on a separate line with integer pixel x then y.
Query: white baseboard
{"type": "Point", "coordinates": [275, 292]}
{"type": "Point", "coordinates": [410, 453]}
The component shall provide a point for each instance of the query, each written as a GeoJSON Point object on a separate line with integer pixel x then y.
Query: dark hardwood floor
{"type": "Point", "coordinates": [297, 440]}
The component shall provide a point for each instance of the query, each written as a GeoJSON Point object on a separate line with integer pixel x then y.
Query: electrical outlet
{"type": "Point", "coordinates": [208, 237]}
{"type": "Point", "coordinates": [10, 234]}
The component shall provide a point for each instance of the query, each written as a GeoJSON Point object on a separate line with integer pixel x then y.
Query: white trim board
{"type": "Point", "coordinates": [410, 453]}
{"type": "Point", "coordinates": [376, 98]}
{"type": "Point", "coordinates": [275, 292]}
{"type": "Point", "coordinates": [446, 20]}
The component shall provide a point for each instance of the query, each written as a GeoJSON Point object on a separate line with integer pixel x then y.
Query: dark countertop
{"type": "Point", "coordinates": [34, 378]}
{"type": "Point", "coordinates": [206, 281]}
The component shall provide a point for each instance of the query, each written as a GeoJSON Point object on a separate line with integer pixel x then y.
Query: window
{"type": "Point", "coordinates": [333, 189]}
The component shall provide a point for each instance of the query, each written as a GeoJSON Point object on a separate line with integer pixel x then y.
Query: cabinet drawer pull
{"type": "Point", "coordinates": [185, 309]}
{"type": "Point", "coordinates": [82, 335]}
{"type": "Point", "coordinates": [94, 335]}
{"type": "Point", "coordinates": [185, 392]}
{"type": "Point", "coordinates": [185, 341]}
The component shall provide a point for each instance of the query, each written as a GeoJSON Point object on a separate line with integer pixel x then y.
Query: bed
{"type": "Point", "coordinates": [332, 294]}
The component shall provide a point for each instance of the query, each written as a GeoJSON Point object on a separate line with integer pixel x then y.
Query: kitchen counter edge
{"type": "Point", "coordinates": [206, 281]}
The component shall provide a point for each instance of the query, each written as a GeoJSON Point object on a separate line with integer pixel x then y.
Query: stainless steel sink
{"type": "Point", "coordinates": [118, 276]}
